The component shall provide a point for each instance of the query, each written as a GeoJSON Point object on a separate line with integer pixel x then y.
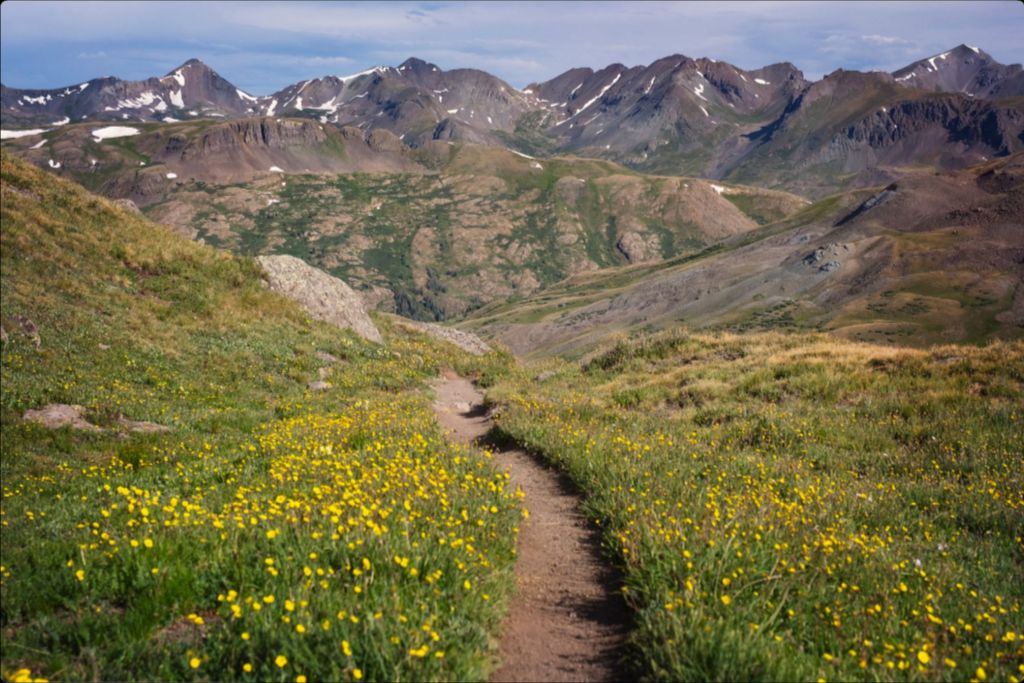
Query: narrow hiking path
{"type": "Point", "coordinates": [567, 621]}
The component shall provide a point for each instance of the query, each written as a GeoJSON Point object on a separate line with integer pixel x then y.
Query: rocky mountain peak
{"type": "Point", "coordinates": [965, 69]}
{"type": "Point", "coordinates": [417, 66]}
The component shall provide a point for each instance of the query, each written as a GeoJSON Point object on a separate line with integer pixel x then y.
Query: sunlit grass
{"type": "Point", "coordinates": [273, 533]}
{"type": "Point", "coordinates": [793, 507]}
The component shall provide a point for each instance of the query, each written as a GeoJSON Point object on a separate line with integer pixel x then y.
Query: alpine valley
{"type": "Point", "coordinates": [676, 372]}
{"type": "Point", "coordinates": [440, 195]}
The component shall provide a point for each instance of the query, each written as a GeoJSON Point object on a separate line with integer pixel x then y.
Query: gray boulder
{"type": "Point", "coordinates": [324, 296]}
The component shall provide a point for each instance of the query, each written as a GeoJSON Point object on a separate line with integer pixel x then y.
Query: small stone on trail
{"type": "Point", "coordinates": [318, 386]}
{"type": "Point", "coordinates": [326, 357]}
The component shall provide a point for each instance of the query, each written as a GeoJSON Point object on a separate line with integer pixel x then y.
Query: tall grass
{"type": "Point", "coordinates": [792, 507]}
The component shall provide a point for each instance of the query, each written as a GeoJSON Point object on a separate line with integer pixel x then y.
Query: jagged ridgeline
{"type": "Point", "coordinates": [223, 487]}
{"type": "Point", "coordinates": [769, 126]}
{"type": "Point", "coordinates": [438, 193]}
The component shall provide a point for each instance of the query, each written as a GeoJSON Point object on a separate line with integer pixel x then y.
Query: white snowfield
{"type": "Point", "coordinates": [245, 95]}
{"type": "Point", "coordinates": [109, 132]}
{"type": "Point", "coordinates": [346, 79]}
{"type": "Point", "coordinates": [62, 122]}
{"type": "Point", "coordinates": [717, 188]}
{"type": "Point", "coordinates": [11, 134]}
{"type": "Point", "coordinates": [172, 176]}
{"type": "Point", "coordinates": [176, 98]}
{"type": "Point", "coordinates": [276, 169]}
{"type": "Point", "coordinates": [698, 91]}
{"type": "Point", "coordinates": [761, 81]}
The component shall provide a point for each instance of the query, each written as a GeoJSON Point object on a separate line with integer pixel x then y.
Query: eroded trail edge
{"type": "Point", "coordinates": [567, 621]}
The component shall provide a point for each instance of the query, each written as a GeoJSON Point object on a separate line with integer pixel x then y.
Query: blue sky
{"type": "Point", "coordinates": [263, 46]}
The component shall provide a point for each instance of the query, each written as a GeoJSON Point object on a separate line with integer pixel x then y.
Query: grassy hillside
{"type": "Point", "coordinates": [796, 507]}
{"type": "Point", "coordinates": [272, 533]}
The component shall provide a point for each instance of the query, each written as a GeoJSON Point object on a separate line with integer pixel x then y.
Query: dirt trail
{"type": "Point", "coordinates": [567, 621]}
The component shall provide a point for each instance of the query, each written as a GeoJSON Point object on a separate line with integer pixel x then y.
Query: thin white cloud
{"type": "Point", "coordinates": [517, 41]}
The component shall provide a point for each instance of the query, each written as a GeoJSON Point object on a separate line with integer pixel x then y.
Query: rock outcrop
{"type": "Point", "coordinates": [324, 296]}
{"type": "Point", "coordinates": [467, 341]}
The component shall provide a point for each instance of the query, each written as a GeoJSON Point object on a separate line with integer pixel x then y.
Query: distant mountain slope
{"type": "Point", "coordinates": [192, 90]}
{"type": "Point", "coordinates": [144, 162]}
{"type": "Point", "coordinates": [964, 69]}
{"type": "Point", "coordinates": [476, 224]}
{"type": "Point", "coordinates": [927, 259]}
{"type": "Point", "coordinates": [675, 116]}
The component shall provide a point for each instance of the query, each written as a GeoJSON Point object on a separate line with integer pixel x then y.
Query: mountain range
{"type": "Point", "coordinates": [677, 115]}
{"type": "Point", "coordinates": [881, 206]}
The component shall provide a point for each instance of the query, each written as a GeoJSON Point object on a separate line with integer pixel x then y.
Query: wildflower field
{"type": "Point", "coordinates": [795, 507]}
{"type": "Point", "coordinates": [782, 506]}
{"type": "Point", "coordinates": [273, 533]}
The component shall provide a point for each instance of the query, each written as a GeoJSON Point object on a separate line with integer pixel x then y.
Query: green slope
{"type": "Point", "coordinates": [272, 532]}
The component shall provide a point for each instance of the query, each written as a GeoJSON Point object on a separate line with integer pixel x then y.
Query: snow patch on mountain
{"type": "Point", "coordinates": [109, 132]}
{"type": "Point", "coordinates": [346, 79]}
{"type": "Point", "coordinates": [931, 60]}
{"type": "Point", "coordinates": [599, 95]}
{"type": "Point", "coordinates": [12, 134]}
